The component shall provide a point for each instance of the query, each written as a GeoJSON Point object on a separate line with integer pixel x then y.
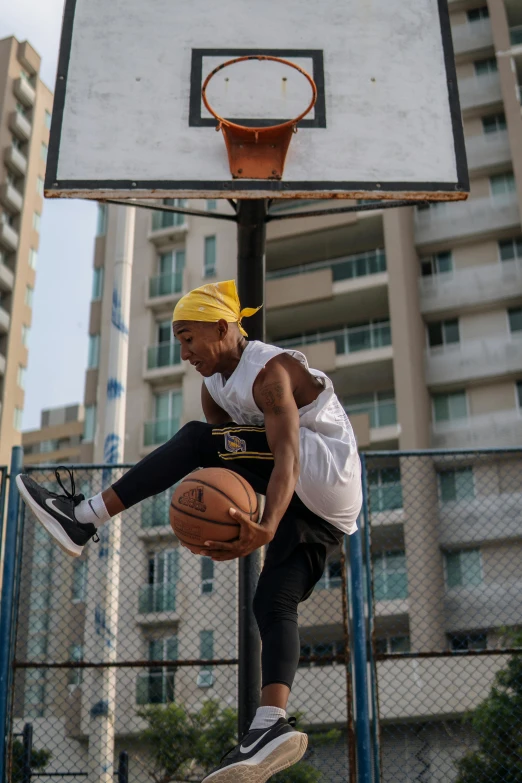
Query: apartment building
{"type": "Point", "coordinates": [25, 120]}
{"type": "Point", "coordinates": [416, 314]}
{"type": "Point", "coordinates": [58, 438]}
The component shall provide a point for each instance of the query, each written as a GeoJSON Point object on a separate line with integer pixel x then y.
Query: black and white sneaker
{"type": "Point", "coordinates": [56, 512]}
{"type": "Point", "coordinates": [261, 754]}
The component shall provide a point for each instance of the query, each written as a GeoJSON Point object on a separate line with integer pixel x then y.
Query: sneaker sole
{"type": "Point", "coordinates": [49, 523]}
{"type": "Point", "coordinates": [278, 755]}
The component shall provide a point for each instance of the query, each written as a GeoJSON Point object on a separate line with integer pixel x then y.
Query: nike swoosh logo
{"type": "Point", "coordinates": [50, 503]}
{"type": "Point", "coordinates": [258, 740]}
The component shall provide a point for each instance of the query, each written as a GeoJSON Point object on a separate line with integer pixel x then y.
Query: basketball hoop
{"type": "Point", "coordinates": [258, 153]}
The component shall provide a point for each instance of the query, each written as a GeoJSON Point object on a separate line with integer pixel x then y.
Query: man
{"type": "Point", "coordinates": [279, 424]}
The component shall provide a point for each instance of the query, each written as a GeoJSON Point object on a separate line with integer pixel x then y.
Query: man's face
{"type": "Point", "coordinates": [202, 344]}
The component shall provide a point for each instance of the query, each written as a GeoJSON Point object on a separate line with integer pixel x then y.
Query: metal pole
{"type": "Point", "coordinates": [104, 579]}
{"type": "Point", "coordinates": [362, 706]}
{"type": "Point", "coordinates": [28, 753]}
{"type": "Point", "coordinates": [251, 241]}
{"type": "Point", "coordinates": [7, 606]}
{"type": "Point", "coordinates": [123, 767]}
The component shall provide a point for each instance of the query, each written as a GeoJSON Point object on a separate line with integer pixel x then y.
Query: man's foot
{"type": "Point", "coordinates": [261, 754]}
{"type": "Point", "coordinates": [56, 513]}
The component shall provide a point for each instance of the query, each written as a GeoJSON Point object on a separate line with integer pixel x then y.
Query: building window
{"type": "Point", "coordinates": [206, 653]}
{"type": "Point", "coordinates": [207, 575]}
{"type": "Point", "coordinates": [40, 186]}
{"type": "Point", "coordinates": [21, 375]}
{"type": "Point", "coordinates": [155, 510]}
{"type": "Point", "coordinates": [79, 580]}
{"type": "Point", "coordinates": [482, 67]}
{"type": "Point", "coordinates": [494, 123]}
{"type": "Point", "coordinates": [159, 595]}
{"type": "Point", "coordinates": [47, 446]}
{"type": "Point", "coordinates": [519, 393]}
{"type": "Point", "coordinates": [156, 686]}
{"type": "Point", "coordinates": [387, 645]}
{"type": "Point", "coordinates": [89, 424]}
{"type": "Point", "coordinates": [93, 358]}
{"type": "Point", "coordinates": [456, 484]}
{"type": "Point", "coordinates": [211, 204]}
{"type": "Point", "coordinates": [48, 119]}
{"type": "Point", "coordinates": [502, 183]}
{"type": "Point", "coordinates": [385, 491]}
{"type": "Point", "coordinates": [438, 264]}
{"type": "Point", "coordinates": [75, 676]}
{"type": "Point", "coordinates": [33, 258]}
{"type": "Point", "coordinates": [380, 407]}
{"type": "Point", "coordinates": [169, 219]}
{"type": "Point", "coordinates": [510, 249]}
{"type": "Point", "coordinates": [167, 351]}
{"type": "Point", "coordinates": [390, 580]}
{"type": "Point", "coordinates": [476, 14]}
{"type": "Point", "coordinates": [463, 568]}
{"type": "Point", "coordinates": [25, 335]}
{"type": "Point", "coordinates": [443, 333]}
{"type": "Point", "coordinates": [29, 295]}
{"type": "Point", "coordinates": [515, 319]}
{"type": "Point", "coordinates": [17, 419]}
{"type": "Point", "coordinates": [450, 407]}
{"type": "Point", "coordinates": [209, 269]}
{"type": "Point", "coordinates": [169, 279]}
{"type": "Point", "coordinates": [167, 415]}
{"type": "Point", "coordinates": [321, 650]}
{"type": "Point", "coordinates": [36, 221]}
{"type": "Point", "coordinates": [43, 152]}
{"type": "Point", "coordinates": [97, 283]}
{"type": "Point", "coordinates": [101, 224]}
{"type": "Point", "coordinates": [462, 642]}
{"type": "Point", "coordinates": [332, 576]}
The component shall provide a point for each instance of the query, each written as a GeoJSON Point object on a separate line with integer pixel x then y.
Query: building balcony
{"type": "Point", "coordinates": [166, 226]}
{"type": "Point", "coordinates": [457, 222]}
{"type": "Point", "coordinates": [159, 431]}
{"type": "Point", "coordinates": [384, 430]}
{"type": "Point", "coordinates": [16, 161]}
{"type": "Point", "coordinates": [5, 320]}
{"type": "Point", "coordinates": [155, 687]}
{"type": "Point", "coordinates": [515, 34]}
{"type": "Point", "coordinates": [482, 519]}
{"type": "Point", "coordinates": [8, 237]}
{"type": "Point", "coordinates": [164, 290]}
{"type": "Point", "coordinates": [6, 277]}
{"type": "Point", "coordinates": [2, 369]}
{"type": "Point", "coordinates": [471, 37]}
{"type": "Point", "coordinates": [163, 362]}
{"type": "Point", "coordinates": [473, 286]}
{"type": "Point", "coordinates": [20, 126]}
{"type": "Point", "coordinates": [157, 598]}
{"type": "Point", "coordinates": [479, 92]}
{"type": "Point", "coordinates": [496, 429]}
{"type": "Point", "coordinates": [488, 605]}
{"type": "Point", "coordinates": [488, 152]}
{"type": "Point", "coordinates": [24, 91]}
{"type": "Point", "coordinates": [11, 198]}
{"type": "Point", "coordinates": [471, 360]}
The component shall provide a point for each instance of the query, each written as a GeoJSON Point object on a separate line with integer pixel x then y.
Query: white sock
{"type": "Point", "coordinates": [92, 511]}
{"type": "Point", "coordinates": [266, 717]}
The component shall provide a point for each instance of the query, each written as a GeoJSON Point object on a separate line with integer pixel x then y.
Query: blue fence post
{"type": "Point", "coordinates": [9, 565]}
{"type": "Point", "coordinates": [360, 670]}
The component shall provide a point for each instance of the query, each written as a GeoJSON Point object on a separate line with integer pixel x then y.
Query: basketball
{"type": "Point", "coordinates": [199, 510]}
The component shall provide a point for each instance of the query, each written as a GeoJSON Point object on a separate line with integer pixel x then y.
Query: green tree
{"type": "Point", "coordinates": [497, 722]}
{"type": "Point", "coordinates": [39, 760]}
{"type": "Point", "coordinates": [184, 746]}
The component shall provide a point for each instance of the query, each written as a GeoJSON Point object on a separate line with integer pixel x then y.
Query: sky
{"type": "Point", "coordinates": [58, 337]}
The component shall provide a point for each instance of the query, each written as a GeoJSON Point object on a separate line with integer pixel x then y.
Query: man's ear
{"type": "Point", "coordinates": [222, 326]}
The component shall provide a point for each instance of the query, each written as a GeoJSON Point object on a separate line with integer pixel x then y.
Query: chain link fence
{"type": "Point", "coordinates": [163, 650]}
{"type": "Point", "coordinates": [444, 545]}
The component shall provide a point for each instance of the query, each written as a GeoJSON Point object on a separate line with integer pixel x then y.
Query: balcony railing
{"type": "Point", "coordinates": [385, 497]}
{"type": "Point", "coordinates": [161, 220]}
{"type": "Point", "coordinates": [157, 598]}
{"type": "Point", "coordinates": [381, 414]}
{"type": "Point", "coordinates": [16, 161]}
{"type": "Point", "coordinates": [390, 587]}
{"type": "Point", "coordinates": [165, 285]}
{"type": "Point", "coordinates": [472, 36]}
{"type": "Point", "coordinates": [358, 265]}
{"type": "Point", "coordinates": [163, 355]}
{"type": "Point", "coordinates": [472, 359]}
{"type": "Point", "coordinates": [478, 91]}
{"type": "Point", "coordinates": [155, 687]}
{"type": "Point", "coordinates": [488, 150]}
{"type": "Point", "coordinates": [498, 429]}
{"type": "Point", "coordinates": [350, 339]}
{"type": "Point", "coordinates": [515, 34]}
{"type": "Point", "coordinates": [159, 431]}
{"type": "Point", "coordinates": [5, 320]}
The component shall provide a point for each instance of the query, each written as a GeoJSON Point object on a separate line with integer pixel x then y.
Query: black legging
{"type": "Point", "coordinates": [295, 557]}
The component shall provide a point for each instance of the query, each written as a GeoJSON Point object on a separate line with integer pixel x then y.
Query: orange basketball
{"type": "Point", "coordinates": [199, 510]}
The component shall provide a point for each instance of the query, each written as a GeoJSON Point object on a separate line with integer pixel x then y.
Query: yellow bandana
{"type": "Point", "coordinates": [212, 302]}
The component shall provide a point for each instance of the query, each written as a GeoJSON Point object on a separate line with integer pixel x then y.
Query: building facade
{"type": "Point", "coordinates": [58, 439]}
{"type": "Point", "coordinates": [416, 314]}
{"type": "Point", "coordinates": [25, 120]}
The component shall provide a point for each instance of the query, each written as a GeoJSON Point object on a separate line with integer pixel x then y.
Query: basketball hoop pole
{"type": "Point", "coordinates": [251, 241]}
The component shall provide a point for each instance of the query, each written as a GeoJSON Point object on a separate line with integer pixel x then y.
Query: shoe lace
{"type": "Point", "coordinates": [76, 498]}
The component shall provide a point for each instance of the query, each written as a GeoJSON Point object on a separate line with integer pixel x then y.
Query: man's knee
{"type": "Point", "coordinates": [272, 605]}
{"type": "Point", "coordinates": [192, 430]}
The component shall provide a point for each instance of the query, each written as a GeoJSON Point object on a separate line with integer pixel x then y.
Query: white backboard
{"type": "Point", "coordinates": [129, 122]}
